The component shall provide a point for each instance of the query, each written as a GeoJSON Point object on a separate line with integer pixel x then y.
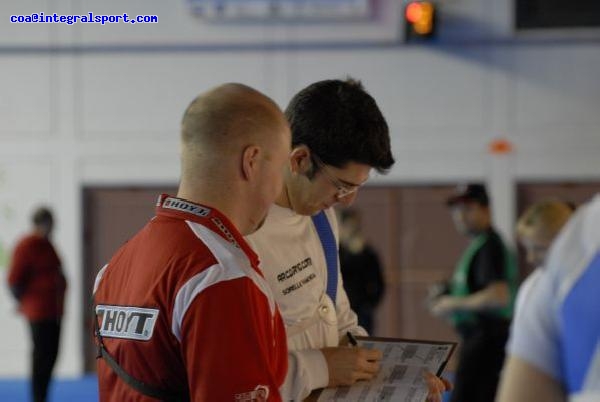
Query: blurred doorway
{"type": "Point", "coordinates": [111, 215]}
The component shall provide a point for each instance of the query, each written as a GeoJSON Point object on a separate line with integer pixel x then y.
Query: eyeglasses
{"type": "Point", "coordinates": [343, 190]}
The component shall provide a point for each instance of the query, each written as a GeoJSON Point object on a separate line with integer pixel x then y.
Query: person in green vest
{"type": "Point", "coordinates": [479, 298]}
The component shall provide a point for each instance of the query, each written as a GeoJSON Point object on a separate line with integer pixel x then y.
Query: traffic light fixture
{"type": "Point", "coordinates": [419, 20]}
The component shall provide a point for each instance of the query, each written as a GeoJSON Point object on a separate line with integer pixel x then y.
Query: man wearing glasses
{"type": "Point", "coordinates": [338, 136]}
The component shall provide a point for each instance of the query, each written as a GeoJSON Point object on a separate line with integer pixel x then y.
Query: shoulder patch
{"type": "Point", "coordinates": [125, 322]}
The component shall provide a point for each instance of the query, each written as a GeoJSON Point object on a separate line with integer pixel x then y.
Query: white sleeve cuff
{"type": "Point", "coordinates": [307, 371]}
{"type": "Point", "coordinates": [316, 368]}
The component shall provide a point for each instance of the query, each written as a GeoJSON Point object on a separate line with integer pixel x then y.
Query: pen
{"type": "Point", "coordinates": [441, 369]}
{"type": "Point", "coordinates": [351, 338]}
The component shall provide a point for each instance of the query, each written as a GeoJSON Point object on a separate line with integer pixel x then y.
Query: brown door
{"type": "Point", "coordinates": [111, 216]}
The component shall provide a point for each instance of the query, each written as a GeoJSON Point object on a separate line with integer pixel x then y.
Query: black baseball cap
{"type": "Point", "coordinates": [469, 193]}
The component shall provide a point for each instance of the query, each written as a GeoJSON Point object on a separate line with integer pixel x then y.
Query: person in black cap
{"type": "Point", "coordinates": [478, 300]}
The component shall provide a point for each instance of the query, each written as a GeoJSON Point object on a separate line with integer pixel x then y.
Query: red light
{"type": "Point", "coordinates": [501, 146]}
{"type": "Point", "coordinates": [420, 17]}
{"type": "Point", "coordinates": [414, 12]}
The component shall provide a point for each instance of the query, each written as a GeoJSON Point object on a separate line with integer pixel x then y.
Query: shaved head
{"type": "Point", "coordinates": [224, 120]}
{"type": "Point", "coordinates": [235, 144]}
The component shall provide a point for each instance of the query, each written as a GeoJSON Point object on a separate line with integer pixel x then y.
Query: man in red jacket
{"type": "Point", "coordinates": [37, 282]}
{"type": "Point", "coordinates": [183, 307]}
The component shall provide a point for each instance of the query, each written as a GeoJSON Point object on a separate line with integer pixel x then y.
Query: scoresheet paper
{"type": "Point", "coordinates": [401, 375]}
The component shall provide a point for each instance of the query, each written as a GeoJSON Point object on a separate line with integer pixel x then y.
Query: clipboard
{"type": "Point", "coordinates": [400, 376]}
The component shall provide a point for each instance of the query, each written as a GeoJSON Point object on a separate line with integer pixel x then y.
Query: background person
{"type": "Point", "coordinates": [536, 229]}
{"type": "Point", "coordinates": [479, 298]}
{"type": "Point", "coordinates": [360, 268]}
{"type": "Point", "coordinates": [554, 349]}
{"type": "Point", "coordinates": [37, 282]}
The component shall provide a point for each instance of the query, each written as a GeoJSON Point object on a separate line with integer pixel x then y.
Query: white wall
{"type": "Point", "coordinates": [103, 108]}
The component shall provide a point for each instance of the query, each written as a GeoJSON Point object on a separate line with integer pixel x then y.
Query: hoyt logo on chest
{"type": "Point", "coordinates": [127, 322]}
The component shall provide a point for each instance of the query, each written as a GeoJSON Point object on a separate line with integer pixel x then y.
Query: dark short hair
{"type": "Point", "coordinates": [340, 122]}
{"type": "Point", "coordinates": [469, 192]}
{"type": "Point", "coordinates": [42, 215]}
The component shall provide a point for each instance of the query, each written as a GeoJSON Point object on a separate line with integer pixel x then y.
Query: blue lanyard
{"type": "Point", "coordinates": [330, 250]}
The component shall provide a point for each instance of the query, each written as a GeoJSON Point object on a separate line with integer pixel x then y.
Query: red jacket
{"type": "Point", "coordinates": [36, 276]}
{"type": "Point", "coordinates": [184, 303]}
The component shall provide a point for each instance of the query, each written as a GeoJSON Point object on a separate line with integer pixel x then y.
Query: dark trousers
{"type": "Point", "coordinates": [365, 318]}
{"type": "Point", "coordinates": [45, 336]}
{"type": "Point", "coordinates": [480, 362]}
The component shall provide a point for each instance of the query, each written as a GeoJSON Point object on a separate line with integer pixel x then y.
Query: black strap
{"type": "Point", "coordinates": [133, 382]}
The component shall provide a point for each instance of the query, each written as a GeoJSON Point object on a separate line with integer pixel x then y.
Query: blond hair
{"type": "Point", "coordinates": [544, 219]}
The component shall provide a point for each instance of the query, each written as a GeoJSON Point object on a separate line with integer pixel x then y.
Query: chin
{"type": "Point", "coordinates": [260, 224]}
{"type": "Point", "coordinates": [310, 211]}
{"type": "Point", "coordinates": [304, 209]}
{"type": "Point", "coordinates": [253, 226]}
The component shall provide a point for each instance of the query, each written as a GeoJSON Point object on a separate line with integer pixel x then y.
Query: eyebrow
{"type": "Point", "coordinates": [350, 184]}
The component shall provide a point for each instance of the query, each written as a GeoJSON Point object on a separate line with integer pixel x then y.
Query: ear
{"type": "Point", "coordinates": [250, 161]}
{"type": "Point", "coordinates": [300, 159]}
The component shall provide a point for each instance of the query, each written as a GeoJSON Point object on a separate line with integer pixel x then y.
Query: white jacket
{"type": "Point", "coordinates": [293, 262]}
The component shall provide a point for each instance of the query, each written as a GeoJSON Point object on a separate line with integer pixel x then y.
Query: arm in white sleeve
{"type": "Point", "coordinates": [535, 330]}
{"type": "Point", "coordinates": [307, 371]}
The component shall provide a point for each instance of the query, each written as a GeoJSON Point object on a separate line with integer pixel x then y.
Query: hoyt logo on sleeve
{"type": "Point", "coordinates": [124, 322]}
{"type": "Point", "coordinates": [260, 394]}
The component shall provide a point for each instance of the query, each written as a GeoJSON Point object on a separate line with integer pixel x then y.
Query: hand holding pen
{"type": "Point", "coordinates": [436, 385]}
{"type": "Point", "coordinates": [346, 365]}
